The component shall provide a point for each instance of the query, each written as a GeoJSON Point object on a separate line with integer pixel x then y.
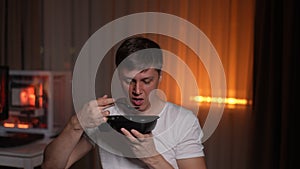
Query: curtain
{"type": "Point", "coordinates": [276, 60]}
{"type": "Point", "coordinates": [21, 34]}
{"type": "Point", "coordinates": [49, 34]}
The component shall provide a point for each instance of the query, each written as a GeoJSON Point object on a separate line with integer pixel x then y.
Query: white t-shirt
{"type": "Point", "coordinates": [177, 135]}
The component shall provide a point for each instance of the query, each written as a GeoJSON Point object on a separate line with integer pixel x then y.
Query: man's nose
{"type": "Point", "coordinates": [137, 88]}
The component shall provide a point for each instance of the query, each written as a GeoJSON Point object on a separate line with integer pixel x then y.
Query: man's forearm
{"type": "Point", "coordinates": [157, 162]}
{"type": "Point", "coordinates": [57, 153]}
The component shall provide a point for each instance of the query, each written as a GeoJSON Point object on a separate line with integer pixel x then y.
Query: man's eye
{"type": "Point", "coordinates": [127, 81]}
{"type": "Point", "coordinates": [147, 81]}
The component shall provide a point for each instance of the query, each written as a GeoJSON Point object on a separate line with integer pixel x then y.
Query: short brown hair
{"type": "Point", "coordinates": [143, 52]}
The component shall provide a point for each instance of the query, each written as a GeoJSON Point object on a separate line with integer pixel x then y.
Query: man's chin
{"type": "Point", "coordinates": [140, 108]}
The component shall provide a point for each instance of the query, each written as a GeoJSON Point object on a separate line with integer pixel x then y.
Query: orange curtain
{"type": "Point", "coordinates": [53, 38]}
{"type": "Point", "coordinates": [229, 26]}
{"type": "Point", "coordinates": [227, 23]}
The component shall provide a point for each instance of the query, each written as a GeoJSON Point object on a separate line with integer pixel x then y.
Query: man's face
{"type": "Point", "coordinates": [139, 84]}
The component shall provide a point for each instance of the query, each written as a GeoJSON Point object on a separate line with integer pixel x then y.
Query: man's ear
{"type": "Point", "coordinates": [160, 77]}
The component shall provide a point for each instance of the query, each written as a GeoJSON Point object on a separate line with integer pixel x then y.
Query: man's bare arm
{"type": "Point", "coordinates": [70, 146]}
{"type": "Point", "coordinates": [62, 151]}
{"type": "Point", "coordinates": [192, 163]}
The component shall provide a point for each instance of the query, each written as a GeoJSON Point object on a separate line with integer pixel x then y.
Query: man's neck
{"type": "Point", "coordinates": [155, 108]}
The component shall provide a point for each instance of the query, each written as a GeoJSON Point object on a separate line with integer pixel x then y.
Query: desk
{"type": "Point", "coordinates": [26, 156]}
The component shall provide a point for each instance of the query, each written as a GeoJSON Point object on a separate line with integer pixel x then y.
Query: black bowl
{"type": "Point", "coordinates": [142, 123]}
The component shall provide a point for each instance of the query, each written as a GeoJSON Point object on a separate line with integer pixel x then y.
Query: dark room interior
{"type": "Point", "coordinates": [257, 42]}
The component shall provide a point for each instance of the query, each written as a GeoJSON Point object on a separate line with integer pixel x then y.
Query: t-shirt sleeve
{"type": "Point", "coordinates": [190, 144]}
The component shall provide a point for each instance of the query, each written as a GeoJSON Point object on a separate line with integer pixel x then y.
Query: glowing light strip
{"type": "Point", "coordinates": [230, 100]}
{"type": "Point", "coordinates": [23, 126]}
{"type": "Point", "coordinates": [12, 125]}
{"type": "Point", "coordinates": [9, 125]}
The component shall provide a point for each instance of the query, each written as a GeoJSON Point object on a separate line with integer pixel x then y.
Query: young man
{"type": "Point", "coordinates": [175, 142]}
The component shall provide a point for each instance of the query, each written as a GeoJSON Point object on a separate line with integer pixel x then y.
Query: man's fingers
{"type": "Point", "coordinates": [105, 113]}
{"type": "Point", "coordinates": [128, 135]}
{"type": "Point", "coordinates": [134, 136]}
{"type": "Point", "coordinates": [126, 132]}
{"type": "Point", "coordinates": [137, 134]}
{"type": "Point", "coordinates": [105, 101]}
{"type": "Point", "coordinates": [106, 106]}
{"type": "Point", "coordinates": [92, 103]}
{"type": "Point", "coordinates": [105, 119]}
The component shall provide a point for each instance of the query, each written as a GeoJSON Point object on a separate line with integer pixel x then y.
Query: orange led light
{"type": "Point", "coordinates": [23, 126]}
{"type": "Point", "coordinates": [229, 101]}
{"type": "Point", "coordinates": [41, 95]}
{"type": "Point", "coordinates": [9, 125]}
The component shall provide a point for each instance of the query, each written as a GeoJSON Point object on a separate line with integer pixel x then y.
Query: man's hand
{"type": "Point", "coordinates": [144, 149]}
{"type": "Point", "coordinates": [93, 113]}
{"type": "Point", "coordinates": [142, 145]}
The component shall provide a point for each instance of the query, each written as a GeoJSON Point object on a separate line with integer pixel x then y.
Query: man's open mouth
{"type": "Point", "coordinates": [137, 101]}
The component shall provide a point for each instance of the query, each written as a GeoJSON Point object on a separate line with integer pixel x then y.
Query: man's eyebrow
{"type": "Point", "coordinates": [130, 78]}
{"type": "Point", "coordinates": [150, 77]}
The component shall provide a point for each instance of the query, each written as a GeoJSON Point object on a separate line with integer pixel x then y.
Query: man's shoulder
{"type": "Point", "coordinates": [174, 111]}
